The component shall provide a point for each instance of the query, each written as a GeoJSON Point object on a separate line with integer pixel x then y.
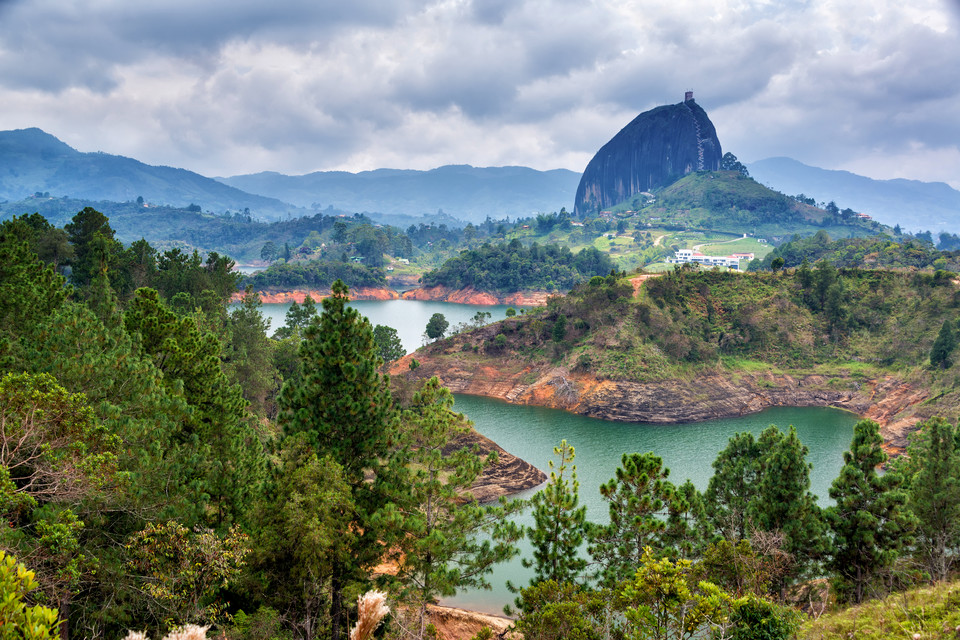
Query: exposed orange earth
{"type": "Point", "coordinates": [299, 295]}
{"type": "Point", "coordinates": [469, 295]}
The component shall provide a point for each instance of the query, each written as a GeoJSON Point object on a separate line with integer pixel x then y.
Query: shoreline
{"type": "Point", "coordinates": [469, 295]}
{"type": "Point", "coordinates": [275, 296]}
{"type": "Point", "coordinates": [431, 294]}
{"type": "Point", "coordinates": [890, 401]}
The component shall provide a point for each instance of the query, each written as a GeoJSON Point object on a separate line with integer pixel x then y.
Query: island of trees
{"type": "Point", "coordinates": [513, 267]}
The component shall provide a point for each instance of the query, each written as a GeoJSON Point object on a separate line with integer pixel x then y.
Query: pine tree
{"type": "Point", "coordinates": [93, 244]}
{"type": "Point", "coordinates": [304, 531]}
{"type": "Point", "coordinates": [225, 450]}
{"type": "Point", "coordinates": [869, 522]}
{"type": "Point", "coordinates": [441, 552]}
{"type": "Point", "coordinates": [934, 497]}
{"type": "Point", "coordinates": [29, 292]}
{"type": "Point", "coordinates": [248, 354]}
{"type": "Point", "coordinates": [559, 523]}
{"type": "Point", "coordinates": [343, 406]}
{"type": "Point", "coordinates": [639, 496]}
{"type": "Point", "coordinates": [784, 503]}
{"type": "Point", "coordinates": [733, 486]}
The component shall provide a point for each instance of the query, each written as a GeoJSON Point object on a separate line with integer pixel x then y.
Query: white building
{"type": "Point", "coordinates": [689, 255]}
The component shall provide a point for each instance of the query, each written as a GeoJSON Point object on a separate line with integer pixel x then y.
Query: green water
{"type": "Point", "coordinates": [687, 450]}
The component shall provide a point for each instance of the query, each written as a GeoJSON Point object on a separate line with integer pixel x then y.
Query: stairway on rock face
{"type": "Point", "coordinates": [696, 125]}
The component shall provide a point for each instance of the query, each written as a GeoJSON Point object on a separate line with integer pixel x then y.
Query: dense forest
{"type": "Point", "coordinates": [513, 267]}
{"type": "Point", "coordinates": [315, 274]}
{"type": "Point", "coordinates": [165, 463]}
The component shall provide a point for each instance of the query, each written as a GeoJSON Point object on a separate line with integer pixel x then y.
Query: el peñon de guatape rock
{"type": "Point", "coordinates": [657, 148]}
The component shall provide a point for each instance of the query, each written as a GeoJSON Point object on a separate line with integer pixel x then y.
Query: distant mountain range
{"type": "Point", "coordinates": [34, 161]}
{"type": "Point", "coordinates": [914, 205]}
{"type": "Point", "coordinates": [464, 192]}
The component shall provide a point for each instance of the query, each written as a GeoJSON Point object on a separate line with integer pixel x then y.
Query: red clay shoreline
{"type": "Point", "coordinates": [468, 295]}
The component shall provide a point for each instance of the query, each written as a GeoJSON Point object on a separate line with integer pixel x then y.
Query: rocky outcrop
{"type": "Point", "coordinates": [509, 475]}
{"type": "Point", "coordinates": [299, 295]}
{"type": "Point", "coordinates": [469, 295]}
{"type": "Point", "coordinates": [657, 148]}
{"type": "Point", "coordinates": [459, 624]}
{"type": "Point", "coordinates": [889, 400]}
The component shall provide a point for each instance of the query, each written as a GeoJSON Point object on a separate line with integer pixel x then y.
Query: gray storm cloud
{"type": "Point", "coordinates": [231, 87]}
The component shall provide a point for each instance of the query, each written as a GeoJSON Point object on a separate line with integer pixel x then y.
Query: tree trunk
{"type": "Point", "coordinates": [336, 605]}
{"type": "Point", "coordinates": [64, 627]}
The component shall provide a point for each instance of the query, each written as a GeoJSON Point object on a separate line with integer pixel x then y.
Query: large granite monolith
{"type": "Point", "coordinates": [657, 148]}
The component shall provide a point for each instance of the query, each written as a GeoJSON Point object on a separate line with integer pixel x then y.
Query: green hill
{"type": "Point", "coordinates": [844, 326]}
{"type": "Point", "coordinates": [729, 201]}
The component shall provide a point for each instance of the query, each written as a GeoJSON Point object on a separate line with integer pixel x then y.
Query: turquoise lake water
{"type": "Point", "coordinates": [687, 450]}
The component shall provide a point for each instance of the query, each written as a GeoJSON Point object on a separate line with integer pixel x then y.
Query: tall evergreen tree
{"type": "Point", "coordinates": [441, 552]}
{"type": "Point", "coordinates": [638, 496]}
{"type": "Point", "coordinates": [248, 354]}
{"type": "Point", "coordinates": [784, 503]}
{"type": "Point", "coordinates": [304, 531]}
{"type": "Point", "coordinates": [733, 486]}
{"type": "Point", "coordinates": [29, 292]}
{"type": "Point", "coordinates": [93, 243]}
{"type": "Point", "coordinates": [869, 522]}
{"type": "Point", "coordinates": [343, 406]}
{"type": "Point", "coordinates": [559, 523]}
{"type": "Point", "coordinates": [934, 497]}
{"type": "Point", "coordinates": [225, 450]}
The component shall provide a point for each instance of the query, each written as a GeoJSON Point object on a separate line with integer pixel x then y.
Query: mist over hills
{"type": "Point", "coordinates": [914, 205]}
{"type": "Point", "coordinates": [464, 192]}
{"type": "Point", "coordinates": [32, 160]}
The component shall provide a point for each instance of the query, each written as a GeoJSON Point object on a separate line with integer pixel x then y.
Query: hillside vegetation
{"type": "Point", "coordinates": [928, 612]}
{"type": "Point", "coordinates": [511, 267]}
{"type": "Point", "coordinates": [883, 251]}
{"type": "Point", "coordinates": [846, 325]}
{"type": "Point", "coordinates": [730, 201]}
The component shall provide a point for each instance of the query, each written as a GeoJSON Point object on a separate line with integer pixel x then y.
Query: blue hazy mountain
{"type": "Point", "coordinates": [464, 192]}
{"type": "Point", "coordinates": [914, 205]}
{"type": "Point", "coordinates": [33, 161]}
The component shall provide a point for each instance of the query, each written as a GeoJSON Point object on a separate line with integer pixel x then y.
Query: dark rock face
{"type": "Point", "coordinates": [657, 148]}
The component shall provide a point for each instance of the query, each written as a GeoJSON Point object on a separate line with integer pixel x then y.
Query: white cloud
{"type": "Point", "coordinates": [230, 87]}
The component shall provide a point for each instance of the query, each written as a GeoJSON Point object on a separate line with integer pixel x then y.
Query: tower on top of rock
{"type": "Point", "coordinates": [688, 96]}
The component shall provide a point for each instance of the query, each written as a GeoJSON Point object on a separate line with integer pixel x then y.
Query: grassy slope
{"type": "Point", "coordinates": [931, 612]}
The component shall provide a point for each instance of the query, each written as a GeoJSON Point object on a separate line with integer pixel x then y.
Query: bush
{"type": "Point", "coordinates": [17, 620]}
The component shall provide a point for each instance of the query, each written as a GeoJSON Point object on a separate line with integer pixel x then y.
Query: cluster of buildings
{"type": "Point", "coordinates": [730, 262]}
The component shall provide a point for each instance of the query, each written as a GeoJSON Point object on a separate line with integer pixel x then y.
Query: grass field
{"type": "Point", "coordinates": [745, 245]}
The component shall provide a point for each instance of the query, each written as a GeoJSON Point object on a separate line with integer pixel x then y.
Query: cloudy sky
{"type": "Point", "coordinates": [224, 87]}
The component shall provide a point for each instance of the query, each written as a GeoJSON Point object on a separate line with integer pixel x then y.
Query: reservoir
{"type": "Point", "coordinates": [532, 432]}
{"type": "Point", "coordinates": [688, 450]}
{"type": "Point", "coordinates": [408, 317]}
